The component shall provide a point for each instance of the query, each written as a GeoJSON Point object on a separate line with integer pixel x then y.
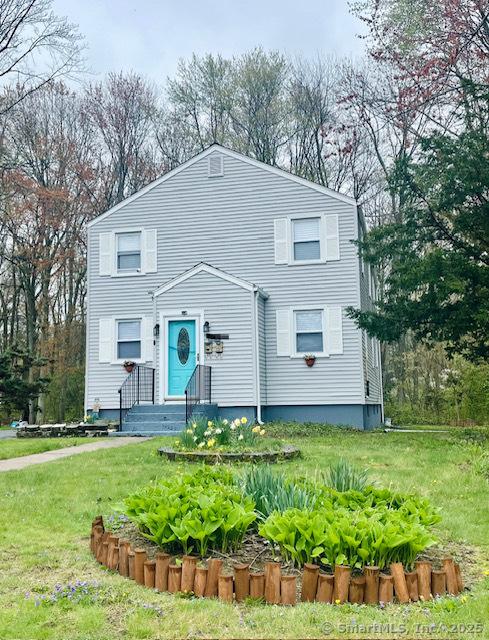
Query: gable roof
{"type": "Point", "coordinates": [233, 154]}
{"type": "Point", "coordinates": [208, 268]}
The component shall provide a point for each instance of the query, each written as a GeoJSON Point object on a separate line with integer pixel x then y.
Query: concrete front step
{"type": "Point", "coordinates": [155, 417]}
{"type": "Point", "coordinates": [158, 408]}
{"type": "Point", "coordinates": [153, 425]}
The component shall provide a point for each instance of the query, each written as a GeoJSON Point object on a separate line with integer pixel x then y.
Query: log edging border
{"type": "Point", "coordinates": [372, 587]}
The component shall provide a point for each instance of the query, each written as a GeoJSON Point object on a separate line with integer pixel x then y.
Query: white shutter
{"type": "Point", "coordinates": [283, 332]}
{"type": "Point", "coordinates": [106, 254]}
{"type": "Point", "coordinates": [147, 339]}
{"type": "Point", "coordinates": [334, 330]}
{"type": "Point", "coordinates": [149, 251]}
{"type": "Point", "coordinates": [281, 234]}
{"type": "Point", "coordinates": [331, 237]}
{"type": "Point", "coordinates": [106, 346]}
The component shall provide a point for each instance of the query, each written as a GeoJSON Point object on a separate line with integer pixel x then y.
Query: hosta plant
{"type": "Point", "coordinates": [373, 536]}
{"type": "Point", "coordinates": [193, 513]}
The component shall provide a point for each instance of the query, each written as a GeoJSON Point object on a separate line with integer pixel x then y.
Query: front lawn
{"type": "Point", "coordinates": [47, 511]}
{"type": "Point", "coordinates": [16, 447]}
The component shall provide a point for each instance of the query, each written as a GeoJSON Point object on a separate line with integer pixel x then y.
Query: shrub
{"type": "Point", "coordinates": [343, 476]}
{"type": "Point", "coordinates": [192, 513]}
{"type": "Point", "coordinates": [272, 491]}
{"type": "Point", "coordinates": [214, 434]}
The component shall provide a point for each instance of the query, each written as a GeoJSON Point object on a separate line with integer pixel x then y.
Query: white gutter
{"type": "Point", "coordinates": [256, 348]}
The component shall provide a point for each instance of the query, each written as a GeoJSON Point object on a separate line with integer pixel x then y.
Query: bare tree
{"type": "Point", "coordinates": [121, 111]}
{"type": "Point", "coordinates": [36, 46]}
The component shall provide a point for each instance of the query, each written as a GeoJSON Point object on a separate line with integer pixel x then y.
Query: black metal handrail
{"type": "Point", "coordinates": [198, 389]}
{"type": "Point", "coordinates": [139, 386]}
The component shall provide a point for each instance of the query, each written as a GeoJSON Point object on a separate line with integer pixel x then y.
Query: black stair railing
{"type": "Point", "coordinates": [139, 386]}
{"type": "Point", "coordinates": [198, 389]}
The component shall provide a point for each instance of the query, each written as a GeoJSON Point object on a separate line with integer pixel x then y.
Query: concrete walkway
{"type": "Point", "coordinates": [14, 464]}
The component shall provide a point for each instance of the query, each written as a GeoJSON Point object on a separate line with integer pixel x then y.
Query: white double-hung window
{"type": "Point", "coordinates": [307, 239]}
{"type": "Point", "coordinates": [128, 339]}
{"type": "Point", "coordinates": [128, 252]}
{"type": "Point", "coordinates": [309, 331]}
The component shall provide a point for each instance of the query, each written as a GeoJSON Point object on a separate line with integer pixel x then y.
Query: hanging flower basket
{"type": "Point", "coordinates": [309, 359]}
{"type": "Point", "coordinates": [129, 365]}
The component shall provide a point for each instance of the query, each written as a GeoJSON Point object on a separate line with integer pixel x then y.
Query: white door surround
{"type": "Point", "coordinates": [165, 317]}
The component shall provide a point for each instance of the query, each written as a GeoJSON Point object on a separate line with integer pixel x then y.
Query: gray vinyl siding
{"type": "Point", "coordinates": [228, 309]}
{"type": "Point", "coordinates": [371, 372]}
{"type": "Point", "coordinates": [228, 222]}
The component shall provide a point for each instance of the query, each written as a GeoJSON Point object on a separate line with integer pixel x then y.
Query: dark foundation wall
{"type": "Point", "coordinates": [356, 415]}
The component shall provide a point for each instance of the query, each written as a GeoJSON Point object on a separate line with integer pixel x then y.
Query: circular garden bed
{"type": "Point", "coordinates": [287, 452]}
{"type": "Point", "coordinates": [254, 532]}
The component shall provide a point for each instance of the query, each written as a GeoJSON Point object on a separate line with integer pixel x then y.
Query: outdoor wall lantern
{"type": "Point", "coordinates": [207, 327]}
{"type": "Point", "coordinates": [156, 330]}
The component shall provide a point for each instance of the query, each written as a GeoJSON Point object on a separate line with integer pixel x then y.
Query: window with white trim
{"type": "Point", "coordinates": [128, 251]}
{"type": "Point", "coordinates": [306, 239]}
{"type": "Point", "coordinates": [309, 330]}
{"type": "Point", "coordinates": [128, 339]}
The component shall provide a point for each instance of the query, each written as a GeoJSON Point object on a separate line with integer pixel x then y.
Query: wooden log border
{"type": "Point", "coordinates": [272, 586]}
{"type": "Point", "coordinates": [214, 457]}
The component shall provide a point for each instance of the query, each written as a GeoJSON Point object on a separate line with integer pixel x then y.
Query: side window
{"type": "Point", "coordinates": [303, 240]}
{"type": "Point", "coordinates": [309, 331]}
{"type": "Point", "coordinates": [128, 339]}
{"type": "Point", "coordinates": [128, 252]}
{"type": "Point", "coordinates": [307, 239]}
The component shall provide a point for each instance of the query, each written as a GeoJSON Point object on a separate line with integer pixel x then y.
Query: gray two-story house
{"type": "Point", "coordinates": [224, 283]}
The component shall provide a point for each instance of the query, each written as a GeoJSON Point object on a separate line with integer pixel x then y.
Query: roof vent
{"type": "Point", "coordinates": [216, 165]}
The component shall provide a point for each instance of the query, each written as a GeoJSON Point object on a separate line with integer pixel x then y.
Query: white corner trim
{"type": "Point", "coordinates": [207, 268]}
{"type": "Point", "coordinates": [203, 154]}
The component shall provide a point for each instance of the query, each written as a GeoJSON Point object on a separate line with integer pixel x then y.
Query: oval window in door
{"type": "Point", "coordinates": [183, 345]}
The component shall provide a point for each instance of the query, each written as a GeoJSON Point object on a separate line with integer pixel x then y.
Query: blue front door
{"type": "Point", "coordinates": [182, 352]}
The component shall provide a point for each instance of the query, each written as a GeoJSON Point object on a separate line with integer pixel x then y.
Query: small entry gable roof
{"type": "Point", "coordinates": [207, 268]}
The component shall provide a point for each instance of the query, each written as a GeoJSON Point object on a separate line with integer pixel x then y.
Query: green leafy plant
{"type": "Point", "coordinates": [193, 512]}
{"type": "Point", "coordinates": [344, 476]}
{"type": "Point", "coordinates": [338, 536]}
{"type": "Point", "coordinates": [272, 491]}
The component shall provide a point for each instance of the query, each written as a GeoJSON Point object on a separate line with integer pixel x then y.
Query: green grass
{"type": "Point", "coordinates": [47, 510]}
{"type": "Point", "coordinates": [16, 447]}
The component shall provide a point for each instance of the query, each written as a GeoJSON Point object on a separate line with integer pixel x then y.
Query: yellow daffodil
{"type": "Point", "coordinates": [209, 423]}
{"type": "Point", "coordinates": [211, 442]}
{"type": "Point", "coordinates": [189, 430]}
{"type": "Point", "coordinates": [244, 420]}
{"type": "Point", "coordinates": [262, 432]}
{"type": "Point", "coordinates": [256, 429]}
{"type": "Point", "coordinates": [194, 425]}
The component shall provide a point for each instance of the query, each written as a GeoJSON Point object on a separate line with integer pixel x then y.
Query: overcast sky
{"type": "Point", "coordinates": [150, 36]}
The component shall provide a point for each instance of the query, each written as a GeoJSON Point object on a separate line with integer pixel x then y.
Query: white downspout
{"type": "Point", "coordinates": [256, 346]}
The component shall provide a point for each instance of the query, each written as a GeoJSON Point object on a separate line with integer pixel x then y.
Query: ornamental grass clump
{"type": "Point", "coordinates": [206, 434]}
{"type": "Point", "coordinates": [272, 491]}
{"type": "Point", "coordinates": [193, 513]}
{"type": "Point", "coordinates": [344, 476]}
